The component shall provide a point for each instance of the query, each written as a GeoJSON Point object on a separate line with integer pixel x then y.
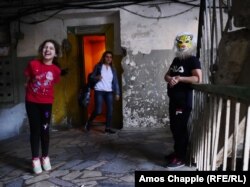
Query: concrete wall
{"type": "Point", "coordinates": [145, 100]}
{"type": "Point", "coordinates": [233, 58]}
{"type": "Point", "coordinates": [233, 65]}
{"type": "Point", "coordinates": [150, 51]}
{"type": "Point", "coordinates": [12, 120]}
{"type": "Point", "coordinates": [148, 43]}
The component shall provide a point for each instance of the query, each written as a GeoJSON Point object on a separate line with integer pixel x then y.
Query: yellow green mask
{"type": "Point", "coordinates": [184, 42]}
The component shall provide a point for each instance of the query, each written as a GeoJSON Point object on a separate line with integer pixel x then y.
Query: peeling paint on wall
{"type": "Point", "coordinates": [145, 102]}
{"type": "Point", "coordinates": [149, 43]}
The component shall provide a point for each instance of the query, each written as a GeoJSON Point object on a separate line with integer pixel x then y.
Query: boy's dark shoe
{"type": "Point", "coordinates": [176, 163]}
{"type": "Point", "coordinates": [87, 126]}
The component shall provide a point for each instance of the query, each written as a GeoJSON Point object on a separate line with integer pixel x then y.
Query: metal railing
{"type": "Point", "coordinates": [220, 123]}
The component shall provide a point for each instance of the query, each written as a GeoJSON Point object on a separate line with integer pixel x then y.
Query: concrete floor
{"type": "Point", "coordinates": [87, 159]}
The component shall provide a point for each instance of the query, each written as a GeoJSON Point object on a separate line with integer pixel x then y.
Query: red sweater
{"type": "Point", "coordinates": [42, 78]}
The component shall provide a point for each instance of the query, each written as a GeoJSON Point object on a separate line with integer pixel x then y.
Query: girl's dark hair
{"type": "Point", "coordinates": [55, 59]}
{"type": "Point", "coordinates": [103, 56]}
{"type": "Point", "coordinates": [57, 50]}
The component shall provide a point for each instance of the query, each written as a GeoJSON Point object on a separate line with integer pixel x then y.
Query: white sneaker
{"type": "Point", "coordinates": [46, 163]}
{"type": "Point", "coordinates": [36, 164]}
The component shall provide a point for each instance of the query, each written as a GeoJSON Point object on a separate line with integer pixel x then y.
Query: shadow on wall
{"type": "Point", "coordinates": [11, 120]}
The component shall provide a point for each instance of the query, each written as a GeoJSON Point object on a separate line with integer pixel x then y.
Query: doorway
{"type": "Point", "coordinates": [89, 44]}
{"type": "Point", "coordinates": [93, 48]}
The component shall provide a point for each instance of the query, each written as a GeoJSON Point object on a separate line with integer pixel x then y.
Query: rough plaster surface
{"type": "Point", "coordinates": [233, 60]}
{"type": "Point", "coordinates": [145, 100]}
{"type": "Point", "coordinates": [139, 34]}
{"type": "Point", "coordinates": [11, 120]}
{"type": "Point", "coordinates": [149, 43]}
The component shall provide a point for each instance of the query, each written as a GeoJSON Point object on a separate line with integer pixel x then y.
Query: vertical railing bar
{"type": "Point", "coordinates": [203, 55]}
{"type": "Point", "coordinates": [217, 134]}
{"type": "Point", "coordinates": [210, 12]}
{"type": "Point", "coordinates": [201, 23]}
{"type": "Point", "coordinates": [228, 107]}
{"type": "Point", "coordinates": [193, 144]}
{"type": "Point", "coordinates": [194, 138]}
{"type": "Point", "coordinates": [212, 41]}
{"type": "Point", "coordinates": [221, 17]}
{"type": "Point", "coordinates": [214, 124]}
{"type": "Point", "coordinates": [209, 132]}
{"type": "Point", "coordinates": [199, 142]}
{"type": "Point", "coordinates": [208, 22]}
{"type": "Point", "coordinates": [193, 132]}
{"type": "Point", "coordinates": [229, 4]}
{"type": "Point", "coordinates": [205, 138]}
{"type": "Point", "coordinates": [205, 122]}
{"type": "Point", "coordinates": [247, 141]}
{"type": "Point", "coordinates": [215, 25]}
{"type": "Point", "coordinates": [202, 132]}
{"type": "Point", "coordinates": [195, 151]}
{"type": "Point", "coordinates": [197, 130]}
{"type": "Point", "coordinates": [198, 150]}
{"type": "Point", "coordinates": [235, 136]}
